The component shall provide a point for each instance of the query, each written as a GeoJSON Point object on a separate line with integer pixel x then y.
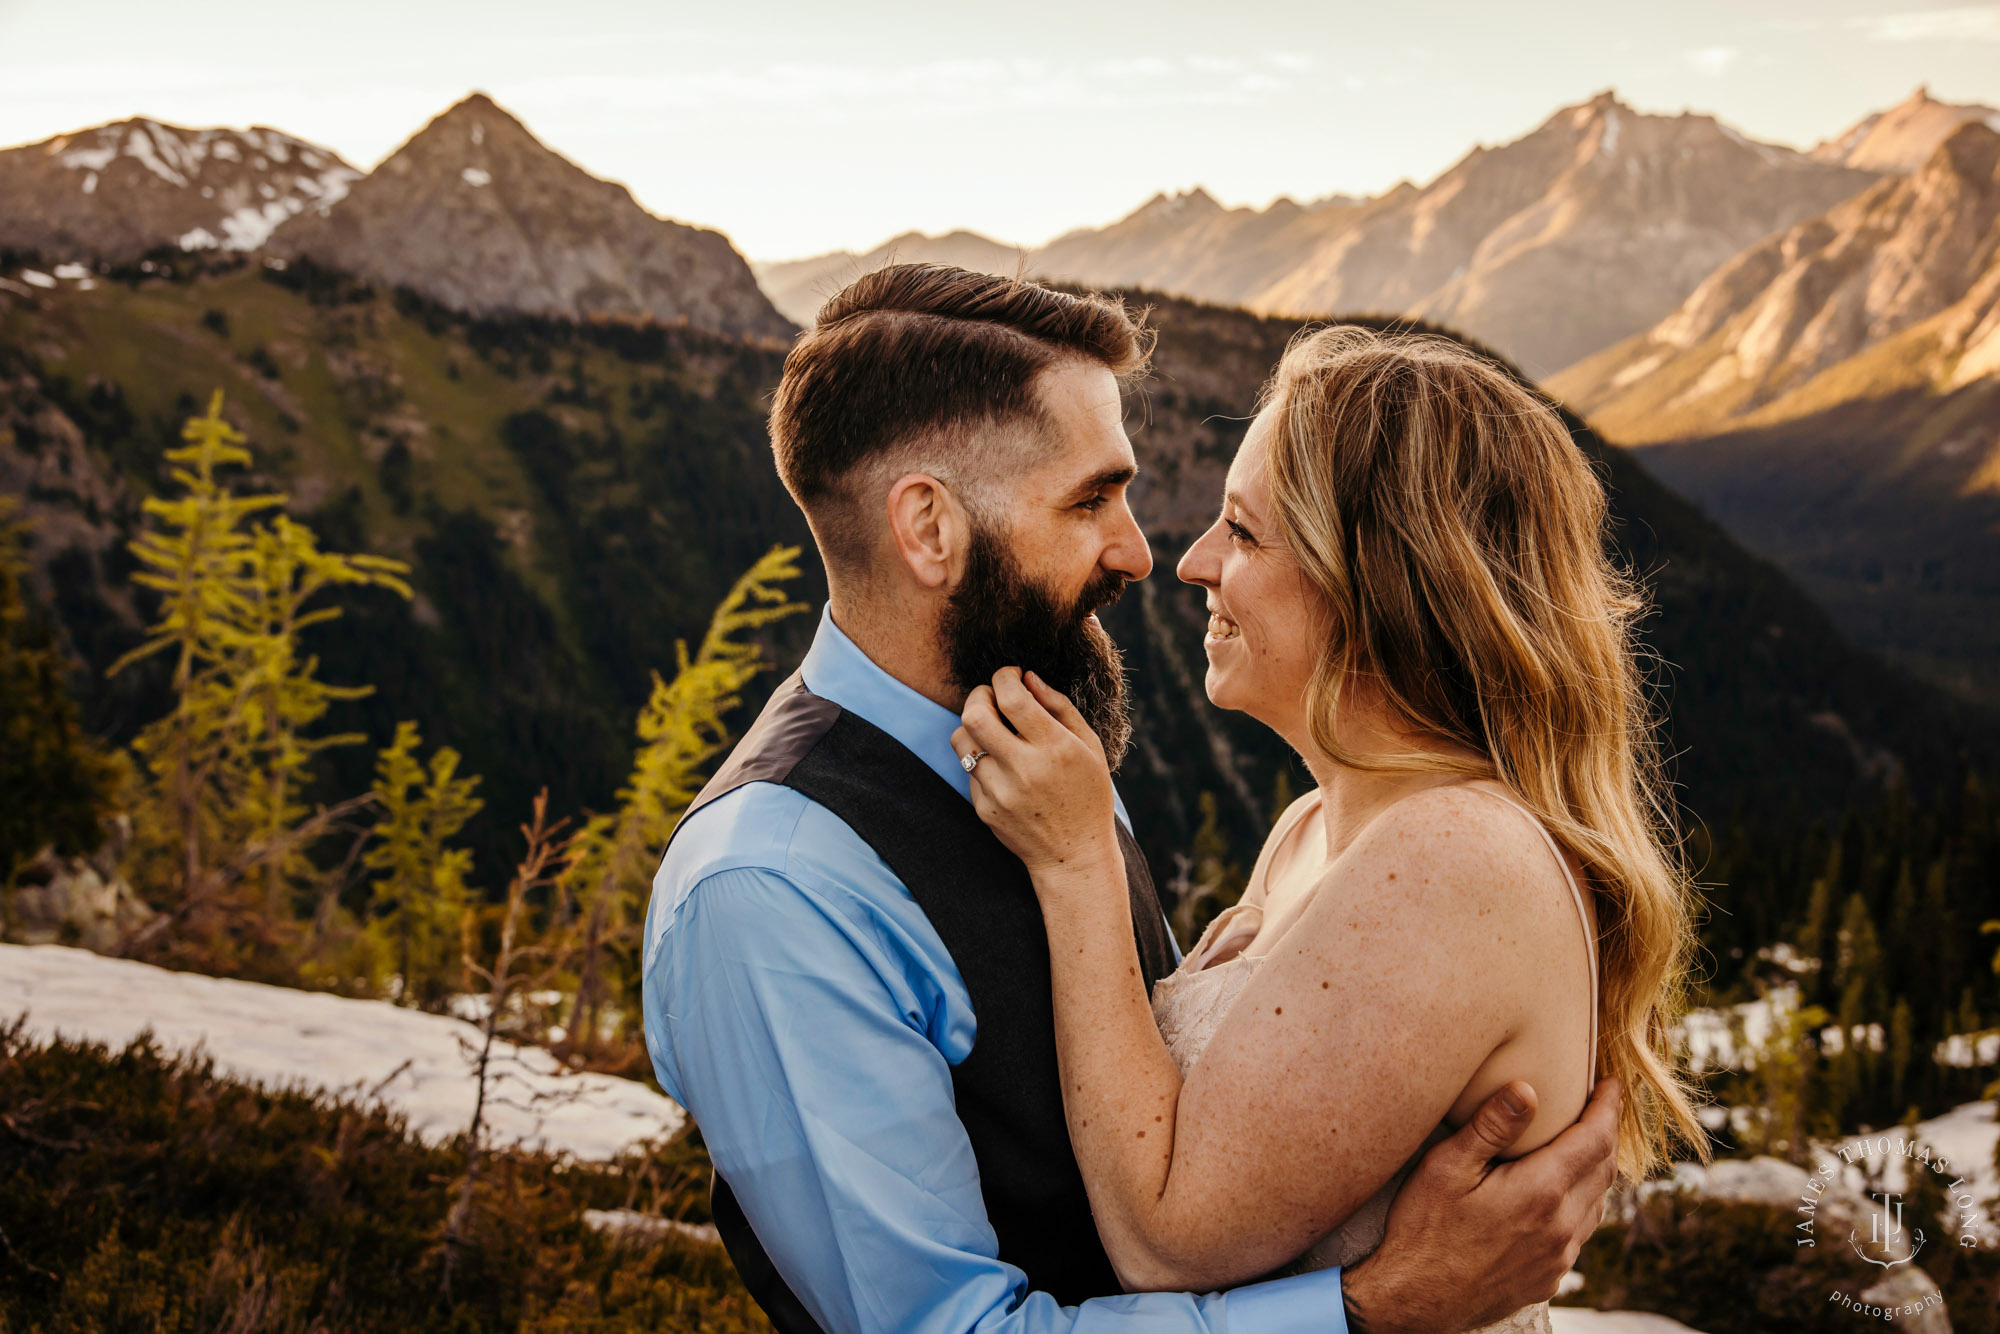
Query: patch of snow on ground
{"type": "Point", "coordinates": [630, 1224]}
{"type": "Point", "coordinates": [1727, 1039]}
{"type": "Point", "coordinates": [475, 177]}
{"type": "Point", "coordinates": [1967, 1136]}
{"type": "Point", "coordinates": [1579, 1320]}
{"type": "Point", "coordinates": [72, 272]}
{"type": "Point", "coordinates": [275, 1036]}
{"type": "Point", "coordinates": [36, 278]}
{"type": "Point", "coordinates": [1968, 1050]}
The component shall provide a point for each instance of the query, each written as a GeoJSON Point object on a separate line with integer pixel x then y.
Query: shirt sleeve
{"type": "Point", "coordinates": [800, 1044]}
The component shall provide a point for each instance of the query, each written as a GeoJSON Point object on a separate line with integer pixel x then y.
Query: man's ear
{"type": "Point", "coordinates": [930, 528]}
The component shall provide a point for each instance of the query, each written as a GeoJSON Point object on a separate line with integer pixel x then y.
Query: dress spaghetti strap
{"type": "Point", "coordinates": [1582, 912]}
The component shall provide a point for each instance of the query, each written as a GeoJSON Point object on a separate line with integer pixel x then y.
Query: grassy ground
{"type": "Point", "coordinates": [139, 1192]}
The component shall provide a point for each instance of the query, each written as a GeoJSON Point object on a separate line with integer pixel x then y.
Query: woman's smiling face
{"type": "Point", "coordinates": [1264, 631]}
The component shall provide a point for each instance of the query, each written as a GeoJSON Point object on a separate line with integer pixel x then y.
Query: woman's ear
{"type": "Point", "coordinates": [930, 528]}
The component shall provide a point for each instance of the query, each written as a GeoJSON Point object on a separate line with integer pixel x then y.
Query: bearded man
{"type": "Point", "coordinates": [846, 974]}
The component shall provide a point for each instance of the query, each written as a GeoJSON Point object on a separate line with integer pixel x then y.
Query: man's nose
{"type": "Point", "coordinates": [1131, 555]}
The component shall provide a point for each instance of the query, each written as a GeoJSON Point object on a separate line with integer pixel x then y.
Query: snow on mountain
{"type": "Point", "coordinates": [1581, 1320]}
{"type": "Point", "coordinates": [416, 1063]}
{"type": "Point", "coordinates": [119, 190]}
{"type": "Point", "coordinates": [476, 212]}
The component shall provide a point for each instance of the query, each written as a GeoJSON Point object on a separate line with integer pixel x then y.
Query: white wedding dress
{"type": "Point", "coordinates": [1191, 1003]}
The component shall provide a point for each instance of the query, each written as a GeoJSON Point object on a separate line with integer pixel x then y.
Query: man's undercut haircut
{"type": "Point", "coordinates": [918, 364]}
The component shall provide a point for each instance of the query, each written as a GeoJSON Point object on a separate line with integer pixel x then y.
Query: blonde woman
{"type": "Point", "coordinates": [1408, 583]}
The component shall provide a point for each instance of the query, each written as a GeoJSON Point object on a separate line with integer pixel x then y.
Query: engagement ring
{"type": "Point", "coordinates": [971, 762]}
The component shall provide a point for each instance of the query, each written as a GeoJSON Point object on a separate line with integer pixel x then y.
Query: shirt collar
{"type": "Point", "coordinates": [835, 668]}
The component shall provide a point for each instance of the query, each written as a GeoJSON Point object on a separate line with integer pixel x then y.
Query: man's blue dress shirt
{"type": "Point", "coordinates": [800, 1005]}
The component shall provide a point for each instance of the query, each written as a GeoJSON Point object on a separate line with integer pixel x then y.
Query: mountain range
{"type": "Point", "coordinates": [115, 192]}
{"type": "Point", "coordinates": [1551, 247]}
{"type": "Point", "coordinates": [482, 359]}
{"type": "Point", "coordinates": [1833, 395]}
{"type": "Point", "coordinates": [472, 211]}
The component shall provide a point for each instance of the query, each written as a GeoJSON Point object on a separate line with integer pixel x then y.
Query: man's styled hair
{"type": "Point", "coordinates": [913, 366]}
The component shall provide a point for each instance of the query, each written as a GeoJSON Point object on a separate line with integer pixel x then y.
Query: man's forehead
{"type": "Point", "coordinates": [1085, 413]}
{"type": "Point", "coordinates": [1073, 386]}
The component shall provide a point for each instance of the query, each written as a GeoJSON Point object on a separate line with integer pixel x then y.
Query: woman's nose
{"type": "Point", "coordinates": [1199, 565]}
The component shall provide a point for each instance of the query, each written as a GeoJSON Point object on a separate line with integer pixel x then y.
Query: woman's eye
{"type": "Point", "coordinates": [1238, 533]}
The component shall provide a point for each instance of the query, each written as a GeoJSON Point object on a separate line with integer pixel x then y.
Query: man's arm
{"type": "Point", "coordinates": [802, 1041]}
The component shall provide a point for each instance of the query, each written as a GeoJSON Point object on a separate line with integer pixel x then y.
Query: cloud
{"type": "Point", "coordinates": [1714, 61]}
{"type": "Point", "coordinates": [1975, 23]}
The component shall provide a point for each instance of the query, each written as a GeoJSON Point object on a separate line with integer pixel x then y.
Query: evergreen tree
{"type": "Point", "coordinates": [420, 894]}
{"type": "Point", "coordinates": [225, 765]}
{"type": "Point", "coordinates": [55, 785]}
{"type": "Point", "coordinates": [1208, 881]}
{"type": "Point", "coordinates": [1778, 1081]}
{"type": "Point", "coordinates": [681, 729]}
{"type": "Point", "coordinates": [1900, 1039]}
{"type": "Point", "coordinates": [196, 559]}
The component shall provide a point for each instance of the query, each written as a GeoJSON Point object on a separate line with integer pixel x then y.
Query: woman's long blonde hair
{"type": "Point", "coordinates": [1456, 535]}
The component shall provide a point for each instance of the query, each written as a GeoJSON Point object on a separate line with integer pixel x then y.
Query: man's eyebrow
{"type": "Point", "coordinates": [1109, 477]}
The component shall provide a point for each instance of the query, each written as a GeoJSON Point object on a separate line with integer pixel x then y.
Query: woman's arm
{"type": "Point", "coordinates": [1353, 1040]}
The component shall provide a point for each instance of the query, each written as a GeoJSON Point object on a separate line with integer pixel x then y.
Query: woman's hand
{"type": "Point", "coordinates": [1043, 786]}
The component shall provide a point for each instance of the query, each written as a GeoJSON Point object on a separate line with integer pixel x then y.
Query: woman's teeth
{"type": "Point", "coordinates": [1221, 627]}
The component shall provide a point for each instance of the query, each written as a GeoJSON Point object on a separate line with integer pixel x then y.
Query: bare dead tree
{"type": "Point", "coordinates": [516, 966]}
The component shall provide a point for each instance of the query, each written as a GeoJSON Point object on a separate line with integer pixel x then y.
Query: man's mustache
{"type": "Point", "coordinates": [1101, 594]}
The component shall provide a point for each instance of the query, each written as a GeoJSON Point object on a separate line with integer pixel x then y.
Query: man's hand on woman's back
{"type": "Point", "coordinates": [1470, 1240]}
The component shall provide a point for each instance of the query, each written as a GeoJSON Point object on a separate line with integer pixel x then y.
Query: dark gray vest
{"type": "Point", "coordinates": [978, 897]}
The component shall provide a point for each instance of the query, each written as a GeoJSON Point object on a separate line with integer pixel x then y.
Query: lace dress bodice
{"type": "Point", "coordinates": [1190, 1004]}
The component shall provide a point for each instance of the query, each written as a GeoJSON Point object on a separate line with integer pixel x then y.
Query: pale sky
{"type": "Point", "coordinates": [803, 127]}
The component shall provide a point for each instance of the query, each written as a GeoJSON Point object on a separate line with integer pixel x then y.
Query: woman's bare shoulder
{"type": "Point", "coordinates": [1455, 845]}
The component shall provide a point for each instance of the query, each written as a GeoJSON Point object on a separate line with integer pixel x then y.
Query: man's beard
{"type": "Point", "coordinates": [999, 617]}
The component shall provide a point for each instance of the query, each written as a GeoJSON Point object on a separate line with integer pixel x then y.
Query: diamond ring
{"type": "Point", "coordinates": [971, 762]}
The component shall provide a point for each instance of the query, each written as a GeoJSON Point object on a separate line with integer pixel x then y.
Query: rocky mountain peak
{"type": "Point", "coordinates": [478, 213]}
{"type": "Point", "coordinates": [1603, 104]}
{"type": "Point", "coordinates": [1176, 206]}
{"type": "Point", "coordinates": [1902, 138]}
{"type": "Point", "coordinates": [1807, 317]}
{"type": "Point", "coordinates": [115, 191]}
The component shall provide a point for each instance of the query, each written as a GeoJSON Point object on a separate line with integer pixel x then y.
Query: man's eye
{"type": "Point", "coordinates": [1094, 504]}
